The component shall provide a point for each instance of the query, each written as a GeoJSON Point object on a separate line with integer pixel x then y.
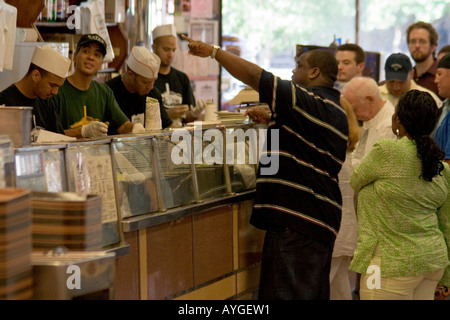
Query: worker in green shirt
{"type": "Point", "coordinates": [87, 108]}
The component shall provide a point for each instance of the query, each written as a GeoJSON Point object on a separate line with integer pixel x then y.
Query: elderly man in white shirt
{"type": "Point", "coordinates": [375, 113]}
{"type": "Point", "coordinates": [363, 94]}
{"type": "Point", "coordinates": [399, 79]}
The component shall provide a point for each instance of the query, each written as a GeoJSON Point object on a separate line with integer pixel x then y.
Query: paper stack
{"type": "Point", "coordinates": [67, 219]}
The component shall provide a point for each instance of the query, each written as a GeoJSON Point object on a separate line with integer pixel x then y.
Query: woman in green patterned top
{"type": "Point", "coordinates": [404, 208]}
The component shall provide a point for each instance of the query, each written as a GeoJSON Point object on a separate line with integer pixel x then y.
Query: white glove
{"type": "Point", "coordinates": [138, 128]}
{"type": "Point", "coordinates": [199, 107]}
{"type": "Point", "coordinates": [94, 129]}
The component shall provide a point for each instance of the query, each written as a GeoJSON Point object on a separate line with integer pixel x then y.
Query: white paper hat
{"type": "Point", "coordinates": [51, 60]}
{"type": "Point", "coordinates": [144, 62]}
{"type": "Point", "coordinates": [164, 30]}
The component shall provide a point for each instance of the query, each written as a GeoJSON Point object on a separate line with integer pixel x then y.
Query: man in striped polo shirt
{"type": "Point", "coordinates": [300, 204]}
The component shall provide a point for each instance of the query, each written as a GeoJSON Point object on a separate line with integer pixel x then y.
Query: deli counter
{"type": "Point", "coordinates": [174, 207]}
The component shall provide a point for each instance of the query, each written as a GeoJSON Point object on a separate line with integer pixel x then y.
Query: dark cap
{"type": "Point", "coordinates": [444, 62]}
{"type": "Point", "coordinates": [92, 37]}
{"type": "Point", "coordinates": [397, 67]}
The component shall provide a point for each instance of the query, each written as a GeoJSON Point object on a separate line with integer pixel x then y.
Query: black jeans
{"type": "Point", "coordinates": [294, 267]}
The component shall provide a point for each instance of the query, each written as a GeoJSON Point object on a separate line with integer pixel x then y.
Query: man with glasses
{"type": "Point", "coordinates": [422, 40]}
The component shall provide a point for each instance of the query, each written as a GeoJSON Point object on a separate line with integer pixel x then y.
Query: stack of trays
{"type": "Point", "coordinates": [228, 117]}
{"type": "Point", "coordinates": [67, 219]}
{"type": "Point", "coordinates": [15, 245]}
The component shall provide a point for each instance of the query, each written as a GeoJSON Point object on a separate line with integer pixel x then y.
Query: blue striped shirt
{"type": "Point", "coordinates": [312, 131]}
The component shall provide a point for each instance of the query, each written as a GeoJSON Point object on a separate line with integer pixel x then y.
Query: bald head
{"type": "Point", "coordinates": [364, 96]}
{"type": "Point", "coordinates": [361, 86]}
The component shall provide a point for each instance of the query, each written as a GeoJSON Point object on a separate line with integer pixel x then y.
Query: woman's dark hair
{"type": "Point", "coordinates": [418, 113]}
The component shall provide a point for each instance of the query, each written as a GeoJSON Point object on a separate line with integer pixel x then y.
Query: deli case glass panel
{"type": "Point", "coordinates": [90, 171]}
{"type": "Point", "coordinates": [174, 169]}
{"type": "Point", "coordinates": [241, 157]}
{"type": "Point", "coordinates": [7, 174]}
{"type": "Point", "coordinates": [208, 153]}
{"type": "Point", "coordinates": [137, 191]}
{"type": "Point", "coordinates": [41, 168]}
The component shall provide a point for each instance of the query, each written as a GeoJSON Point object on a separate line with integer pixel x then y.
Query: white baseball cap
{"type": "Point", "coordinates": [51, 60]}
{"type": "Point", "coordinates": [164, 30]}
{"type": "Point", "coordinates": [144, 62]}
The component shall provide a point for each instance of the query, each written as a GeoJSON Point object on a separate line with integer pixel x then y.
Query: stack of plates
{"type": "Point", "coordinates": [228, 117]}
{"type": "Point", "coordinates": [15, 245]}
{"type": "Point", "coordinates": [204, 124]}
{"type": "Point", "coordinates": [67, 219]}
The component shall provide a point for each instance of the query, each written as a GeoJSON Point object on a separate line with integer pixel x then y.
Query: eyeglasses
{"type": "Point", "coordinates": [422, 42]}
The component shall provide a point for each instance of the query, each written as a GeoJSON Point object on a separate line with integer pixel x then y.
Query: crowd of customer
{"type": "Point", "coordinates": [398, 174]}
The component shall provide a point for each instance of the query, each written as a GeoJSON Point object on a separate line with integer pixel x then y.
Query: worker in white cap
{"type": "Point", "coordinates": [174, 84]}
{"type": "Point", "coordinates": [87, 108]}
{"type": "Point", "coordinates": [47, 72]}
{"type": "Point", "coordinates": [132, 88]}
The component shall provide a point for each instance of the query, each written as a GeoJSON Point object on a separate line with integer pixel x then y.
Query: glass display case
{"type": "Point", "coordinates": [144, 174]}
{"type": "Point", "coordinates": [176, 178]}
{"type": "Point", "coordinates": [137, 191]}
{"type": "Point", "coordinates": [7, 174]}
{"type": "Point", "coordinates": [148, 178]}
{"type": "Point", "coordinates": [209, 154]}
{"type": "Point", "coordinates": [241, 157]}
{"type": "Point", "coordinates": [90, 171]}
{"type": "Point", "coordinates": [41, 168]}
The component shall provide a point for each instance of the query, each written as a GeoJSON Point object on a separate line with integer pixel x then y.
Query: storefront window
{"type": "Point", "coordinates": [383, 24]}
{"type": "Point", "coordinates": [266, 34]}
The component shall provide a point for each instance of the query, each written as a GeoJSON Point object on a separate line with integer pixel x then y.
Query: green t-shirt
{"type": "Point", "coordinates": [99, 101]}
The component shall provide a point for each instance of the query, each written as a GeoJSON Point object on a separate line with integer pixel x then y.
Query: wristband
{"type": "Point", "coordinates": [214, 52]}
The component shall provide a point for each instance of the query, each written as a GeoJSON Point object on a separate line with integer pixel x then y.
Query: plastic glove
{"type": "Point", "coordinates": [178, 111]}
{"type": "Point", "coordinates": [138, 128]}
{"type": "Point", "coordinates": [199, 107]}
{"type": "Point", "coordinates": [94, 129]}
